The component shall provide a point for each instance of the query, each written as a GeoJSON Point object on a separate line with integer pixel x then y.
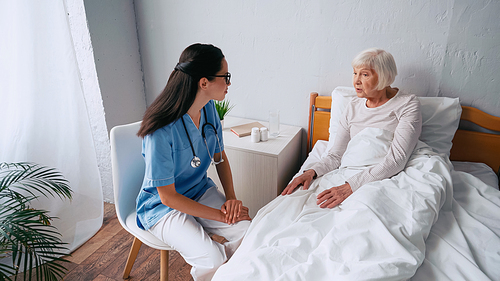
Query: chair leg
{"type": "Point", "coordinates": [163, 265]}
{"type": "Point", "coordinates": [136, 245]}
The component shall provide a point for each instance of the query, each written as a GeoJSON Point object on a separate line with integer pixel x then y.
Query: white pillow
{"type": "Point", "coordinates": [440, 118]}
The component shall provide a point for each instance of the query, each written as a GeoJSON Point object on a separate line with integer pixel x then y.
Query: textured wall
{"type": "Point", "coordinates": [280, 51]}
{"type": "Point", "coordinates": [91, 91]}
{"type": "Point", "coordinates": [472, 59]}
{"type": "Point", "coordinates": [113, 31]}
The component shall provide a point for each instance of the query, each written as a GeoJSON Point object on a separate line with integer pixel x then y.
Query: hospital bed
{"type": "Point", "coordinates": [436, 220]}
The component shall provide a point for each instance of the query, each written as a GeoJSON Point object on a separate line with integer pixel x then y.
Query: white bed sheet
{"type": "Point", "coordinates": [465, 236]}
{"type": "Point", "coordinates": [463, 244]}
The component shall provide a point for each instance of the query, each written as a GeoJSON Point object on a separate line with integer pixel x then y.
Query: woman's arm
{"type": "Point", "coordinates": [233, 208]}
{"type": "Point", "coordinates": [170, 197]}
{"type": "Point", "coordinates": [405, 139]}
{"type": "Point", "coordinates": [328, 163]}
{"type": "Point", "coordinates": [333, 159]}
{"type": "Point", "coordinates": [225, 175]}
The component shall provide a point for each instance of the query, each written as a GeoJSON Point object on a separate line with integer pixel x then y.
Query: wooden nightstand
{"type": "Point", "coordinates": [260, 170]}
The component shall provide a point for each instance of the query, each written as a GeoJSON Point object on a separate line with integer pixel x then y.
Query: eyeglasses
{"type": "Point", "coordinates": [226, 76]}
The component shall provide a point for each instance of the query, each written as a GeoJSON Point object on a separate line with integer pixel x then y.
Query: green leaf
{"type": "Point", "coordinates": [26, 235]}
{"type": "Point", "coordinates": [223, 107]}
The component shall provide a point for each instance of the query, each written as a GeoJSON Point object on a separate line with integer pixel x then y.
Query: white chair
{"type": "Point", "coordinates": [128, 172]}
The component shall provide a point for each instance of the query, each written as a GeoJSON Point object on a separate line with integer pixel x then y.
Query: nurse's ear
{"type": "Point", "coordinates": [203, 83]}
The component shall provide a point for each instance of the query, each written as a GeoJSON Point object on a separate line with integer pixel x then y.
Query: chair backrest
{"type": "Point", "coordinates": [127, 167]}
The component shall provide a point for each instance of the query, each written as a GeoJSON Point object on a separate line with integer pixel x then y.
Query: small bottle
{"type": "Point", "coordinates": [264, 134]}
{"type": "Point", "coordinates": [255, 134]}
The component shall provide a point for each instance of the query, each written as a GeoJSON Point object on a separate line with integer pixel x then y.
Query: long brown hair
{"type": "Point", "coordinates": [196, 61]}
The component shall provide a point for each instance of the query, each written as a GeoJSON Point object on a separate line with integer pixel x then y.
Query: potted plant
{"type": "Point", "coordinates": [223, 107]}
{"type": "Point", "coordinates": [26, 236]}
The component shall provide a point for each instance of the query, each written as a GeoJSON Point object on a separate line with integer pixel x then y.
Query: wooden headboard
{"type": "Point", "coordinates": [467, 145]}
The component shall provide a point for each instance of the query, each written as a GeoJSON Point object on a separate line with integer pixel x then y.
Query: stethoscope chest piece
{"type": "Point", "coordinates": [195, 162]}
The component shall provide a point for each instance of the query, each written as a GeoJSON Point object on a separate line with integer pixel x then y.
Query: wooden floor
{"type": "Point", "coordinates": [103, 257]}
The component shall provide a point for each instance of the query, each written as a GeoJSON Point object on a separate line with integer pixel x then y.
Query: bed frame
{"type": "Point", "coordinates": [467, 145]}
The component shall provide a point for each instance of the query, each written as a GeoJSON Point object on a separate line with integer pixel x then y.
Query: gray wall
{"type": "Point", "coordinates": [280, 51]}
{"type": "Point", "coordinates": [113, 33]}
{"type": "Point", "coordinates": [472, 58]}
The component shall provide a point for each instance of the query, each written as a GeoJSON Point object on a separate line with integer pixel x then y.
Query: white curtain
{"type": "Point", "coordinates": [44, 117]}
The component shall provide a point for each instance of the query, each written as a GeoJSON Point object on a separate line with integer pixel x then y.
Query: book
{"type": "Point", "coordinates": [245, 129]}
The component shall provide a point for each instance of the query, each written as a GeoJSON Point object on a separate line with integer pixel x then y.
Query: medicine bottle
{"type": "Point", "coordinates": [255, 134]}
{"type": "Point", "coordinates": [264, 134]}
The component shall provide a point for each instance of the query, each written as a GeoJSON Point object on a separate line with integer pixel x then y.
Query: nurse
{"type": "Point", "coordinates": [182, 136]}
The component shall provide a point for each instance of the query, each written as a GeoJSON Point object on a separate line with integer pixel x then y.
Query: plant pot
{"type": "Point", "coordinates": [222, 124]}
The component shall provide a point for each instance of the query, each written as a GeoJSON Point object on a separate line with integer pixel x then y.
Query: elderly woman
{"type": "Point", "coordinates": [390, 184]}
{"type": "Point", "coordinates": [379, 106]}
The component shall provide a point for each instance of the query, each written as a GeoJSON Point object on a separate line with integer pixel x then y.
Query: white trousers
{"type": "Point", "coordinates": [189, 236]}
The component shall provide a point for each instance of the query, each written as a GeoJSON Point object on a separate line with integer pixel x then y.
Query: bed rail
{"type": "Point", "coordinates": [474, 146]}
{"type": "Point", "coordinates": [319, 119]}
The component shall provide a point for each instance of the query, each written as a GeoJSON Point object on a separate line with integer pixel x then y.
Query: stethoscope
{"type": "Point", "coordinates": [196, 161]}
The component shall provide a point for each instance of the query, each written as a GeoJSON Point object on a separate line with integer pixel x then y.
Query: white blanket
{"type": "Point", "coordinates": [378, 233]}
{"type": "Point", "coordinates": [464, 244]}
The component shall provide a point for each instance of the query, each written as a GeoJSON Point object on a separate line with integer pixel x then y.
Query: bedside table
{"type": "Point", "coordinates": [260, 170]}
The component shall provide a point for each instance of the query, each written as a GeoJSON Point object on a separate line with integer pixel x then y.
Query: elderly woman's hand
{"type": "Point", "coordinates": [304, 180]}
{"type": "Point", "coordinates": [334, 196]}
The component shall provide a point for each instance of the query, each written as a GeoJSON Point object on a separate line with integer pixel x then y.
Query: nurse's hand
{"type": "Point", "coordinates": [243, 215]}
{"type": "Point", "coordinates": [232, 209]}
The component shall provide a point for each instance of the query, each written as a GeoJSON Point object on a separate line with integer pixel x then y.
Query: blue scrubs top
{"type": "Point", "coordinates": [168, 156]}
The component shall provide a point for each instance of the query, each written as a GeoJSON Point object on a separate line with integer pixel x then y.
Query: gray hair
{"type": "Point", "coordinates": [381, 62]}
